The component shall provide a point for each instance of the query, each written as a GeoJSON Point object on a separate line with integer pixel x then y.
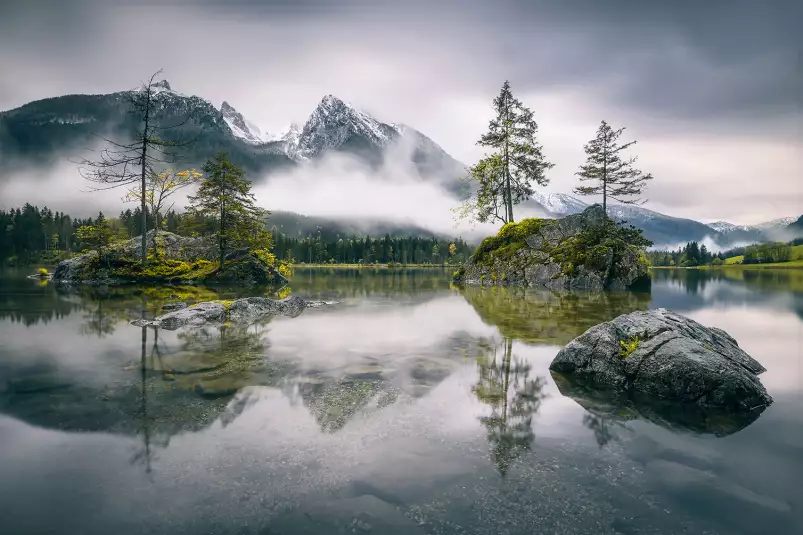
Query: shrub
{"type": "Point", "coordinates": [42, 272]}
{"type": "Point", "coordinates": [628, 346]}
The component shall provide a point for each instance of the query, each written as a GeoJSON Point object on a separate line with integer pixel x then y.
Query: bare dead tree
{"type": "Point", "coordinates": [128, 163]}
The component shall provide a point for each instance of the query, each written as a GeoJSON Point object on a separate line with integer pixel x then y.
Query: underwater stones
{"type": "Point", "coordinates": [663, 356]}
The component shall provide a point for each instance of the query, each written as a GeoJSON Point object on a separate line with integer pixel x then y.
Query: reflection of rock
{"type": "Point", "coordinates": [245, 311]}
{"type": "Point", "coordinates": [609, 406]}
{"type": "Point", "coordinates": [668, 357]}
{"type": "Point", "coordinates": [541, 316]}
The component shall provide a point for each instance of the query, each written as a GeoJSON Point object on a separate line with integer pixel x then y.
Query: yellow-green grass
{"type": "Point", "coordinates": [795, 264]}
{"type": "Point", "coordinates": [796, 254]}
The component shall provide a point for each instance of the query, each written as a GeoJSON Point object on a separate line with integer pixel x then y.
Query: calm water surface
{"type": "Point", "coordinates": [409, 406]}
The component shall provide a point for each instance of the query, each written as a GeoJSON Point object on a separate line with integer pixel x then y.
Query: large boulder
{"type": "Point", "coordinates": [584, 251]}
{"type": "Point", "coordinates": [661, 356]}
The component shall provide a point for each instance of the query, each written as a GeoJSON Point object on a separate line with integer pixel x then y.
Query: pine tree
{"type": "Point", "coordinates": [507, 176]}
{"type": "Point", "coordinates": [615, 177]}
{"type": "Point", "coordinates": [225, 196]}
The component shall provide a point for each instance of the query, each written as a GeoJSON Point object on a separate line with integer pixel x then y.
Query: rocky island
{"type": "Point", "coordinates": [180, 259]}
{"type": "Point", "coordinates": [586, 251]}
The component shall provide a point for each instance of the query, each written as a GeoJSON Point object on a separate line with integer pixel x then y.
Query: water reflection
{"type": "Point", "coordinates": [538, 316]}
{"type": "Point", "coordinates": [505, 385]}
{"type": "Point", "coordinates": [607, 408]}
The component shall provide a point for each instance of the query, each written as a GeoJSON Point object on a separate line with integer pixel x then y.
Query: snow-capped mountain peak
{"type": "Point", "coordinates": [781, 222]}
{"type": "Point", "coordinates": [559, 204]}
{"type": "Point", "coordinates": [725, 227]}
{"type": "Point", "coordinates": [238, 125]}
{"type": "Point", "coordinates": [333, 122]}
{"type": "Point", "coordinates": [162, 85]}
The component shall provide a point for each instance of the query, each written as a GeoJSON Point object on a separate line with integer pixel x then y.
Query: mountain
{"type": "Point", "coordinates": [663, 230]}
{"type": "Point", "coordinates": [57, 129]}
{"type": "Point", "coordinates": [61, 128]}
{"type": "Point", "coordinates": [795, 228]}
{"type": "Point", "coordinates": [300, 226]}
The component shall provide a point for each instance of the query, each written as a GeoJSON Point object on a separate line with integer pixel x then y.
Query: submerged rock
{"type": "Point", "coordinates": [244, 311]}
{"type": "Point", "coordinates": [663, 356]}
{"type": "Point", "coordinates": [582, 251]}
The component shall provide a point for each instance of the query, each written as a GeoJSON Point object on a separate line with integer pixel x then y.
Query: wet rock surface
{"type": "Point", "coordinates": [664, 356]}
{"type": "Point", "coordinates": [242, 311]}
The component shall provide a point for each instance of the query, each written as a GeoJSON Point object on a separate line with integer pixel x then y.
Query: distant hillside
{"type": "Point", "coordinates": [301, 226]}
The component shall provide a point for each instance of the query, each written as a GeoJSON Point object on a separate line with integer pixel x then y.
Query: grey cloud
{"type": "Point", "coordinates": [666, 70]}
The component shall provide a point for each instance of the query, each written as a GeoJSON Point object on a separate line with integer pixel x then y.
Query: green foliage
{"type": "Point", "coordinates": [459, 274]}
{"type": "Point", "coordinates": [42, 272]}
{"type": "Point", "coordinates": [225, 196]}
{"type": "Point", "coordinates": [165, 270]}
{"type": "Point", "coordinates": [507, 176]}
{"type": "Point", "coordinates": [767, 253]}
{"type": "Point", "coordinates": [510, 238]}
{"type": "Point", "coordinates": [284, 267]}
{"type": "Point", "coordinates": [628, 346]}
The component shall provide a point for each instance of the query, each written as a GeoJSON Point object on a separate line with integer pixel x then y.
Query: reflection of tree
{"type": "Point", "coordinates": [600, 426]}
{"type": "Point", "coordinates": [144, 455]}
{"type": "Point", "coordinates": [505, 385]}
{"type": "Point", "coordinates": [101, 321]}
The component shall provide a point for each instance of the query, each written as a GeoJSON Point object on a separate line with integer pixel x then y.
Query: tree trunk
{"type": "Point", "coordinates": [144, 238]}
{"type": "Point", "coordinates": [508, 194]}
{"type": "Point", "coordinates": [222, 240]}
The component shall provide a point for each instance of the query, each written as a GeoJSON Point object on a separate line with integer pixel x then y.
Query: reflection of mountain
{"type": "Point", "coordinates": [504, 384]}
{"type": "Point", "coordinates": [335, 396]}
{"type": "Point", "coordinates": [535, 316]}
{"type": "Point", "coordinates": [607, 408]}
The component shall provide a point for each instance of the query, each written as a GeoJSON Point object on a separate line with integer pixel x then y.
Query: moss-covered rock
{"type": "Point", "coordinates": [180, 259]}
{"type": "Point", "coordinates": [581, 251]}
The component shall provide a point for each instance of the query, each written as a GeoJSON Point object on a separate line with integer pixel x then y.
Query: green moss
{"type": "Point", "coordinates": [508, 241]}
{"type": "Point", "coordinates": [628, 346]}
{"type": "Point", "coordinates": [459, 274]}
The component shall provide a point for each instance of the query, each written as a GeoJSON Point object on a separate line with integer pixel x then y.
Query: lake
{"type": "Point", "coordinates": [407, 405]}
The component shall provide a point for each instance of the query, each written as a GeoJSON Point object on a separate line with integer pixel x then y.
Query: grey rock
{"type": "Point", "coordinates": [243, 311]}
{"type": "Point", "coordinates": [533, 265]}
{"type": "Point", "coordinates": [677, 359]}
{"type": "Point", "coordinates": [167, 307]}
{"type": "Point", "coordinates": [250, 309]}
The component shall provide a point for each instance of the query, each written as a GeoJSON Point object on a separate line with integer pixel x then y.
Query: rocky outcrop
{"type": "Point", "coordinates": [661, 356]}
{"type": "Point", "coordinates": [581, 251]}
{"type": "Point", "coordinates": [242, 311]}
{"type": "Point", "coordinates": [181, 259]}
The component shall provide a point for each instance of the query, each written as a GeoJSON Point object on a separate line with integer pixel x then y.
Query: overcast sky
{"type": "Point", "coordinates": [711, 90]}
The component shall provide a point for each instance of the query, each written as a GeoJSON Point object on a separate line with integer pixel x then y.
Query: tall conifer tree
{"type": "Point", "coordinates": [225, 195]}
{"type": "Point", "coordinates": [615, 177]}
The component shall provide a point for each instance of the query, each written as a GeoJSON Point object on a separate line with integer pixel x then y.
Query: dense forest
{"type": "Point", "coordinates": [31, 235]}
